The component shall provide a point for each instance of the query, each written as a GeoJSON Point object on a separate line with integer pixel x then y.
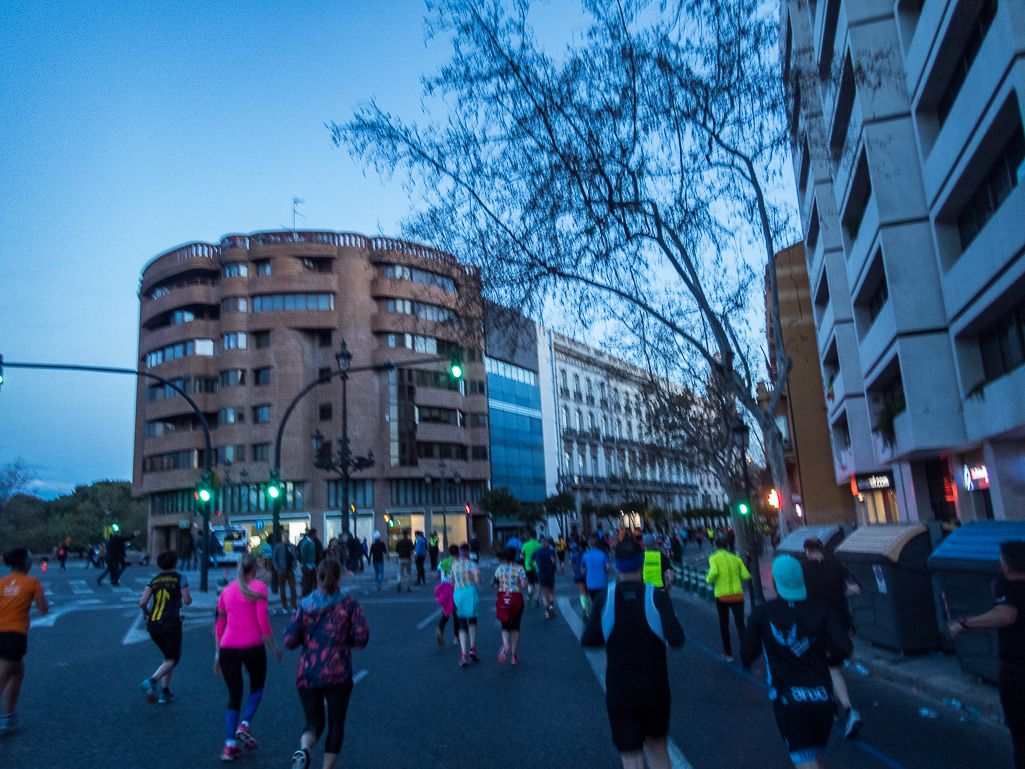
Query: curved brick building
{"type": "Point", "coordinates": [245, 324]}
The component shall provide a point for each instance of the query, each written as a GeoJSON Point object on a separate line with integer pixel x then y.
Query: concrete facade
{"type": "Point", "coordinates": [243, 325]}
{"type": "Point", "coordinates": [906, 127]}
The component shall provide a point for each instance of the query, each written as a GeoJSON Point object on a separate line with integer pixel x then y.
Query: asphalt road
{"type": "Point", "coordinates": [414, 707]}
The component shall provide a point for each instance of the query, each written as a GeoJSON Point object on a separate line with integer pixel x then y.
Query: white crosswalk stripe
{"type": "Point", "coordinates": [80, 587]}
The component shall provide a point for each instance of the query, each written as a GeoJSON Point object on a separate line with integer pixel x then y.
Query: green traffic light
{"type": "Point", "coordinates": [742, 508]}
{"type": "Point", "coordinates": [457, 370]}
{"type": "Point", "coordinates": [115, 528]}
{"type": "Point", "coordinates": [204, 495]}
{"type": "Point", "coordinates": [273, 491]}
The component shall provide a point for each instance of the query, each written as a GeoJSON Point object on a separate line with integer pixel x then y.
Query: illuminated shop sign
{"type": "Point", "coordinates": [976, 477]}
{"type": "Point", "coordinates": [862, 482]}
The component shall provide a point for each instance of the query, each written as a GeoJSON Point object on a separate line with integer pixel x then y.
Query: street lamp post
{"type": "Point", "coordinates": [741, 436]}
{"type": "Point", "coordinates": [346, 463]}
{"type": "Point", "coordinates": [444, 511]}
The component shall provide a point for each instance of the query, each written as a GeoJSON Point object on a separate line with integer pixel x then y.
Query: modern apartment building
{"type": "Point", "coordinates": [906, 121]}
{"type": "Point", "coordinates": [245, 324]}
{"type": "Point", "coordinates": [819, 498]}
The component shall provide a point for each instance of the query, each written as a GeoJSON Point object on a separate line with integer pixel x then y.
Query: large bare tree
{"type": "Point", "coordinates": [632, 175]}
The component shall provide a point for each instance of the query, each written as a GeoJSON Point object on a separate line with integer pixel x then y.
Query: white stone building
{"type": "Point", "coordinates": [598, 442]}
{"type": "Point", "coordinates": [906, 121]}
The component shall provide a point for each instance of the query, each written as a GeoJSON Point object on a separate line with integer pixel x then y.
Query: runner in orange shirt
{"type": "Point", "coordinates": [17, 593]}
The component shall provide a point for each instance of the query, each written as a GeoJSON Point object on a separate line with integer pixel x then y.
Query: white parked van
{"type": "Point", "coordinates": [232, 544]}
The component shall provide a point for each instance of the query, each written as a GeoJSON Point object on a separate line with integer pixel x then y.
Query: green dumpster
{"type": "Point", "coordinates": [965, 568]}
{"type": "Point", "coordinates": [895, 609]}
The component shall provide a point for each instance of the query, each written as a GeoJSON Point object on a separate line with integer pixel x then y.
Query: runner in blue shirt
{"type": "Point", "coordinates": [576, 560]}
{"type": "Point", "coordinates": [596, 565]}
{"type": "Point", "coordinates": [515, 541]}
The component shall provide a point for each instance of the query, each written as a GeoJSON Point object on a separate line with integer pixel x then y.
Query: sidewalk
{"type": "Point", "coordinates": [935, 675]}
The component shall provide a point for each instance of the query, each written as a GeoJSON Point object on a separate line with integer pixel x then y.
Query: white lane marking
{"type": "Point", "coordinates": [129, 598]}
{"type": "Point", "coordinates": [359, 676]}
{"type": "Point", "coordinates": [86, 601]}
{"type": "Point", "coordinates": [427, 621]}
{"type": "Point", "coordinates": [137, 632]}
{"type": "Point", "coordinates": [596, 656]}
{"type": "Point", "coordinates": [79, 586]}
{"type": "Point", "coordinates": [50, 617]}
{"type": "Point", "coordinates": [121, 588]}
{"type": "Point", "coordinates": [47, 591]}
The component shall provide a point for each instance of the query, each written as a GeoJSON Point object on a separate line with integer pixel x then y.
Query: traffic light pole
{"type": "Point", "coordinates": [753, 563]}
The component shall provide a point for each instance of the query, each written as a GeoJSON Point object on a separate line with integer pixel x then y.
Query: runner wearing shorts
{"type": "Point", "coordinates": [18, 592]}
{"type": "Point", "coordinates": [529, 548]}
{"type": "Point", "coordinates": [465, 580]}
{"type": "Point", "coordinates": [544, 562]}
{"type": "Point", "coordinates": [799, 640]}
{"type": "Point", "coordinates": [560, 550]}
{"type": "Point", "coordinates": [510, 578]}
{"type": "Point", "coordinates": [169, 591]}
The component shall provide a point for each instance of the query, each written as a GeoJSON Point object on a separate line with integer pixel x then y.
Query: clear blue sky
{"type": "Point", "coordinates": [128, 128]}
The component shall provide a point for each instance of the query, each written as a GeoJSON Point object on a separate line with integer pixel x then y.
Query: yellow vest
{"type": "Point", "coordinates": [653, 568]}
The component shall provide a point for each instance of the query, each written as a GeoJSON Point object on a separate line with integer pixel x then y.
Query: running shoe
{"type": "Point", "coordinates": [455, 641]}
{"type": "Point", "coordinates": [301, 759]}
{"type": "Point", "coordinates": [726, 657]}
{"type": "Point", "coordinates": [440, 635]}
{"type": "Point", "coordinates": [473, 654]}
{"type": "Point", "coordinates": [516, 659]}
{"type": "Point", "coordinates": [166, 697]}
{"type": "Point", "coordinates": [149, 690]}
{"type": "Point", "coordinates": [245, 737]}
{"type": "Point", "coordinates": [462, 661]}
{"type": "Point", "coordinates": [853, 724]}
{"type": "Point", "coordinates": [230, 752]}
{"type": "Point", "coordinates": [501, 654]}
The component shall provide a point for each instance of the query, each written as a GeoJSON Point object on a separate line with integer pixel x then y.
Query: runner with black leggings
{"type": "Point", "coordinates": [328, 626]}
{"type": "Point", "coordinates": [242, 630]}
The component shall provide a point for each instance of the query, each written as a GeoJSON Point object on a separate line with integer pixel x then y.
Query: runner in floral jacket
{"type": "Point", "coordinates": [328, 626]}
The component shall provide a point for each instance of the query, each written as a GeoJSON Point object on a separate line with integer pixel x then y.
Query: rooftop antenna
{"type": "Point", "coordinates": [296, 202]}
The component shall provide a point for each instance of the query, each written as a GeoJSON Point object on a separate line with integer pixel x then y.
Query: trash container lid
{"type": "Point", "coordinates": [886, 540]}
{"type": "Point", "coordinates": [794, 543]}
{"type": "Point", "coordinates": [978, 541]}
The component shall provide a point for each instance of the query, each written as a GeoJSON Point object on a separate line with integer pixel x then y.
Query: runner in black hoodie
{"type": "Point", "coordinates": [800, 642]}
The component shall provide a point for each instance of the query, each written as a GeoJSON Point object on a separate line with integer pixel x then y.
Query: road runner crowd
{"type": "Point", "coordinates": [804, 634]}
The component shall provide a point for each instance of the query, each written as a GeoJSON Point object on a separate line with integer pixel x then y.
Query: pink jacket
{"type": "Point", "coordinates": [241, 622]}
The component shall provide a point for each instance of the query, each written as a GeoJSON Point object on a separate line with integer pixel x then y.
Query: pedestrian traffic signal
{"type": "Point", "coordinates": [456, 366]}
{"type": "Point", "coordinates": [743, 508]}
{"type": "Point", "coordinates": [115, 528]}
{"type": "Point", "coordinates": [204, 489]}
{"type": "Point", "coordinates": [467, 509]}
{"type": "Point", "coordinates": [773, 499]}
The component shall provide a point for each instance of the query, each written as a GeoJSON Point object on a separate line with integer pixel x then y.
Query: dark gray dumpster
{"type": "Point", "coordinates": [965, 568]}
{"type": "Point", "coordinates": [830, 536]}
{"type": "Point", "coordinates": [896, 608]}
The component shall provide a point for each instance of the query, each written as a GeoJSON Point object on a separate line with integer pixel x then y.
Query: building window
{"type": "Point", "coordinates": [234, 340]}
{"type": "Point", "coordinates": [401, 272]}
{"type": "Point", "coordinates": [324, 374]}
{"type": "Point", "coordinates": [262, 339]}
{"type": "Point", "coordinates": [479, 453]}
{"type": "Point", "coordinates": [290, 302]}
{"type": "Point", "coordinates": [877, 300]}
{"type": "Point", "coordinates": [203, 347]}
{"type": "Point", "coordinates": [580, 421]}
{"type": "Point", "coordinates": [206, 385]}
{"type": "Point", "coordinates": [1002, 344]}
{"type": "Point", "coordinates": [233, 378]}
{"type": "Point", "coordinates": [1002, 177]}
{"type": "Point", "coordinates": [326, 412]}
{"type": "Point", "coordinates": [565, 418]}
{"type": "Point", "coordinates": [236, 270]}
{"type": "Point", "coordinates": [479, 420]}
{"type": "Point", "coordinates": [261, 414]}
{"type": "Point", "coordinates": [227, 454]}
{"type": "Point", "coordinates": [231, 415]}
{"type": "Point", "coordinates": [361, 493]}
{"type": "Point", "coordinates": [234, 304]}
{"type": "Point", "coordinates": [562, 376]}
{"type": "Point", "coordinates": [401, 306]}
{"type": "Point", "coordinates": [509, 371]}
{"type": "Point", "coordinates": [324, 337]}
{"type": "Point", "coordinates": [181, 316]}
{"type": "Point", "coordinates": [476, 387]}
{"type": "Point", "coordinates": [964, 60]}
{"type": "Point", "coordinates": [261, 452]}
{"type": "Point", "coordinates": [261, 377]}
{"type": "Point", "coordinates": [262, 267]}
